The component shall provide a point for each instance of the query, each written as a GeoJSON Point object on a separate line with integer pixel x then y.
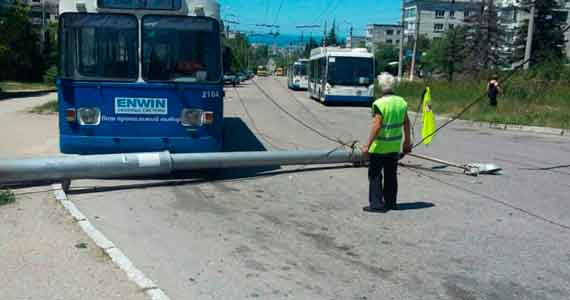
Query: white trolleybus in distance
{"type": "Point", "coordinates": [339, 75]}
{"type": "Point", "coordinates": [297, 75]}
{"type": "Point", "coordinates": [140, 76]}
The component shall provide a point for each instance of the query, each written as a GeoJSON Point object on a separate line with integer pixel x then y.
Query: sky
{"type": "Point", "coordinates": [356, 13]}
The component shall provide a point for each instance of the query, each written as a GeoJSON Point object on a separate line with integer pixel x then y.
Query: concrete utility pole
{"type": "Point", "coordinates": [414, 53]}
{"type": "Point", "coordinates": [43, 31]}
{"type": "Point", "coordinates": [529, 37]}
{"type": "Point", "coordinates": [401, 57]}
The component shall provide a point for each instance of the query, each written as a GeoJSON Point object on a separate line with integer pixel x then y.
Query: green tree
{"type": "Point", "coordinates": [240, 51]}
{"type": "Point", "coordinates": [20, 58]}
{"type": "Point", "coordinates": [385, 56]}
{"type": "Point", "coordinates": [548, 38]}
{"type": "Point", "coordinates": [483, 39]}
{"type": "Point", "coordinates": [259, 56]}
{"type": "Point", "coordinates": [312, 44]}
{"type": "Point", "coordinates": [331, 38]}
{"type": "Point", "coordinates": [424, 43]}
{"type": "Point", "coordinates": [447, 55]}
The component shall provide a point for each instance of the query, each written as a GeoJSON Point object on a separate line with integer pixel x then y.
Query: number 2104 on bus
{"type": "Point", "coordinates": [140, 76]}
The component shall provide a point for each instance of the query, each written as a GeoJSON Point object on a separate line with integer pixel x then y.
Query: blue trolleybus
{"type": "Point", "coordinates": [140, 76]}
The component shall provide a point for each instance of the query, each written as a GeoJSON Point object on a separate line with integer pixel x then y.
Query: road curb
{"type": "Point", "coordinates": [508, 127]}
{"type": "Point", "coordinates": [117, 256]}
{"type": "Point", "coordinates": [520, 128]}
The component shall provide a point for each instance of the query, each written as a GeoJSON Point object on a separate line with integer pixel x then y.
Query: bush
{"type": "Point", "coordinates": [7, 197]}
{"type": "Point", "coordinates": [50, 76]}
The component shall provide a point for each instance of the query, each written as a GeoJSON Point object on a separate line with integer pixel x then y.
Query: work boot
{"type": "Point", "coordinates": [380, 210]}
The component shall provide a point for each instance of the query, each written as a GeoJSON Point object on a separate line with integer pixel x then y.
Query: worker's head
{"type": "Point", "coordinates": [386, 82]}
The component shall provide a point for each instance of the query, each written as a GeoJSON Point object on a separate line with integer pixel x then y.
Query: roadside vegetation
{"type": "Point", "coordinates": [25, 64]}
{"type": "Point", "coordinates": [535, 103]}
{"type": "Point", "coordinates": [458, 66]}
{"type": "Point", "coordinates": [15, 86]}
{"type": "Point", "coordinates": [7, 197]}
{"type": "Point", "coordinates": [46, 108]}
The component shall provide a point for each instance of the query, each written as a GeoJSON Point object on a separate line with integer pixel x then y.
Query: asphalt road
{"type": "Point", "coordinates": [300, 232]}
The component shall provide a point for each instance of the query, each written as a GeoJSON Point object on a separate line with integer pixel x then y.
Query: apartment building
{"type": "Point", "coordinates": [434, 17]}
{"type": "Point", "coordinates": [49, 9]}
{"type": "Point", "coordinates": [512, 16]}
{"type": "Point", "coordinates": [382, 34]}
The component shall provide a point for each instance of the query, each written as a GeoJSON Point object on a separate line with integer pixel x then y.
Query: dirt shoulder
{"type": "Point", "coordinates": [43, 253]}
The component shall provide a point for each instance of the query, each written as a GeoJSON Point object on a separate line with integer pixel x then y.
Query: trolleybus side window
{"type": "Point", "coordinates": [300, 69]}
{"type": "Point", "coordinates": [181, 49]}
{"type": "Point", "coordinates": [99, 46]}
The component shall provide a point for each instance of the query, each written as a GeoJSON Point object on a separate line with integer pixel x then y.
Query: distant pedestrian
{"type": "Point", "coordinates": [493, 90]}
{"type": "Point", "coordinates": [390, 126]}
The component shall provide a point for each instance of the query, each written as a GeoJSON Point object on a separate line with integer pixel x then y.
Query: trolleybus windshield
{"type": "Point", "coordinates": [141, 4]}
{"type": "Point", "coordinates": [351, 71]}
{"type": "Point", "coordinates": [99, 46]}
{"type": "Point", "coordinates": [182, 49]}
{"type": "Point", "coordinates": [301, 69]}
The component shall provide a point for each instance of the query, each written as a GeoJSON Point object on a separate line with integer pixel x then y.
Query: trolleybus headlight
{"type": "Point", "coordinates": [191, 117]}
{"type": "Point", "coordinates": [70, 115]}
{"type": "Point", "coordinates": [89, 116]}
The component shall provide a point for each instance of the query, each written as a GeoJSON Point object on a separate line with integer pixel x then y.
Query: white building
{"type": "Point", "coordinates": [382, 34]}
{"type": "Point", "coordinates": [434, 17]}
{"type": "Point", "coordinates": [512, 17]}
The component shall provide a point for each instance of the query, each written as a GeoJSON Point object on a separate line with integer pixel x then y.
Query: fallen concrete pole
{"type": "Point", "coordinates": [62, 168]}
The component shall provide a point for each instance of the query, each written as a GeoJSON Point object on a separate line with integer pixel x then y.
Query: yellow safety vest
{"type": "Point", "coordinates": [394, 110]}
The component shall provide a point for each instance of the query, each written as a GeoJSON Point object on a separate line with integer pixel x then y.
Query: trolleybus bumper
{"type": "Point", "coordinates": [107, 145]}
{"type": "Point", "coordinates": [348, 99]}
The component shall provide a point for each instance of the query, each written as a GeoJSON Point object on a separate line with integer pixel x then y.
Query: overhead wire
{"type": "Point", "coordinates": [269, 140]}
{"type": "Point", "coordinates": [493, 199]}
{"type": "Point", "coordinates": [278, 12]}
{"type": "Point", "coordinates": [351, 145]}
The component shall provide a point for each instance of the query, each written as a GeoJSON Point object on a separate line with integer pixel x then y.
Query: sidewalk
{"type": "Point", "coordinates": [26, 134]}
{"type": "Point", "coordinates": [44, 255]}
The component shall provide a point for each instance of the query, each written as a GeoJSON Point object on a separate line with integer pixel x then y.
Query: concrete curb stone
{"type": "Point", "coordinates": [508, 127]}
{"type": "Point", "coordinates": [116, 255]}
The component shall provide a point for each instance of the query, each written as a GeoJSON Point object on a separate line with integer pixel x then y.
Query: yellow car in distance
{"type": "Point", "coordinates": [262, 71]}
{"type": "Point", "coordinates": [279, 72]}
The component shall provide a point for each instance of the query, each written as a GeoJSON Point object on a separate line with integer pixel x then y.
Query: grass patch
{"type": "Point", "coordinates": [15, 86]}
{"type": "Point", "coordinates": [7, 197]}
{"type": "Point", "coordinates": [46, 108]}
{"type": "Point", "coordinates": [525, 102]}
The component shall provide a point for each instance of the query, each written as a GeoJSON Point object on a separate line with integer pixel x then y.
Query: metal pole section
{"type": "Point", "coordinates": [162, 163]}
{"type": "Point", "coordinates": [401, 57]}
{"type": "Point", "coordinates": [201, 161]}
{"type": "Point", "coordinates": [529, 37]}
{"type": "Point", "coordinates": [84, 167]}
{"type": "Point", "coordinates": [414, 53]}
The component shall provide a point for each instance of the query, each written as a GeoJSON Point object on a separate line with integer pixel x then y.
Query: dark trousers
{"type": "Point", "coordinates": [383, 196]}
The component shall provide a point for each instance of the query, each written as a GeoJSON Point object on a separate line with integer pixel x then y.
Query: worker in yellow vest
{"type": "Point", "coordinates": [390, 126]}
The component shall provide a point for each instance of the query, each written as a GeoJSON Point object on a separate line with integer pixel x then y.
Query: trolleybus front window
{"type": "Point", "coordinates": [301, 69]}
{"type": "Point", "coordinates": [181, 49]}
{"type": "Point", "coordinates": [99, 46]}
{"type": "Point", "coordinates": [141, 4]}
{"type": "Point", "coordinates": [351, 71]}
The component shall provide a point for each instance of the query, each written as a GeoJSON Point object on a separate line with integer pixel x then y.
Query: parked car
{"type": "Point", "coordinates": [241, 76]}
{"type": "Point", "coordinates": [230, 78]}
